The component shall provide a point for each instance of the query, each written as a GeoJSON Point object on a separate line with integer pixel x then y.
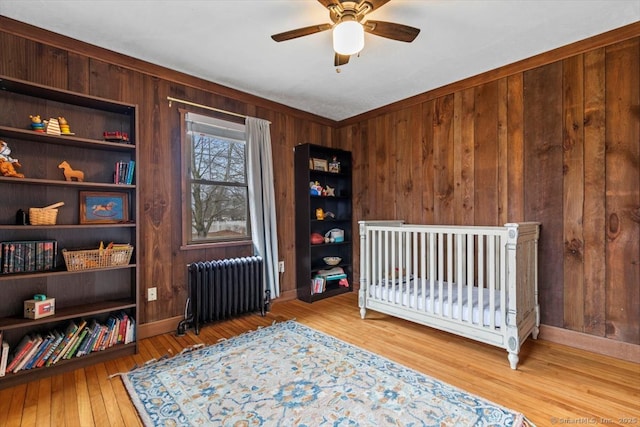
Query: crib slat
{"type": "Point", "coordinates": [492, 280]}
{"type": "Point", "coordinates": [481, 266]}
{"type": "Point", "coordinates": [469, 255]}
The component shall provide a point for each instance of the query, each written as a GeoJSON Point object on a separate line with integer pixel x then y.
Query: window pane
{"type": "Point", "coordinates": [217, 159]}
{"type": "Point", "coordinates": [218, 212]}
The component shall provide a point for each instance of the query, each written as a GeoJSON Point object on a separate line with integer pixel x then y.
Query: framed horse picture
{"type": "Point", "coordinates": [103, 207]}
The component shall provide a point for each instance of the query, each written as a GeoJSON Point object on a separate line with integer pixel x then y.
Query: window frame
{"type": "Point", "coordinates": [186, 192]}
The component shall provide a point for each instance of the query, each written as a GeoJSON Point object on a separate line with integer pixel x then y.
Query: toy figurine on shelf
{"type": "Point", "coordinates": [315, 188]}
{"type": "Point", "coordinates": [64, 126]}
{"type": "Point", "coordinates": [69, 173]}
{"type": "Point", "coordinates": [52, 127]}
{"type": "Point", "coordinates": [329, 191]}
{"type": "Point", "coordinates": [36, 124]}
{"type": "Point", "coordinates": [334, 165]}
{"type": "Point", "coordinates": [7, 163]}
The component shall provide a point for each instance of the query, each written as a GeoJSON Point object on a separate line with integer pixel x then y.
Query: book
{"type": "Point", "coordinates": [72, 339]}
{"type": "Point", "coordinates": [87, 345]}
{"type": "Point", "coordinates": [132, 165]}
{"type": "Point", "coordinates": [31, 363]}
{"type": "Point", "coordinates": [6, 256]}
{"type": "Point", "coordinates": [18, 258]}
{"type": "Point", "coordinates": [12, 255]}
{"type": "Point", "coordinates": [39, 255]}
{"type": "Point", "coordinates": [68, 334]}
{"type": "Point", "coordinates": [122, 329]}
{"type": "Point", "coordinates": [47, 255]}
{"type": "Point", "coordinates": [21, 350]}
{"type": "Point", "coordinates": [131, 331]}
{"type": "Point", "coordinates": [37, 340]}
{"type": "Point", "coordinates": [3, 358]}
{"type": "Point", "coordinates": [59, 337]}
{"type": "Point", "coordinates": [29, 256]}
{"type": "Point", "coordinates": [99, 344]}
{"type": "Point", "coordinates": [74, 347]}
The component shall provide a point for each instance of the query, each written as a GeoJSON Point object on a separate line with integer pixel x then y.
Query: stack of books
{"type": "Point", "coordinates": [335, 273]}
{"type": "Point", "coordinates": [28, 256]}
{"type": "Point", "coordinates": [123, 172]}
{"type": "Point", "coordinates": [78, 339]}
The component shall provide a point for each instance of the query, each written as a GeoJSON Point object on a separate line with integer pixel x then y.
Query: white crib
{"type": "Point", "coordinates": [473, 281]}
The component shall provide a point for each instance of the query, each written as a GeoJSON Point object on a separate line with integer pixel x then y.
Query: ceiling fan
{"type": "Point", "coordinates": [348, 27]}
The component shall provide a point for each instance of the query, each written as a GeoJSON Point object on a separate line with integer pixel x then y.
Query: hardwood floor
{"type": "Point", "coordinates": [553, 385]}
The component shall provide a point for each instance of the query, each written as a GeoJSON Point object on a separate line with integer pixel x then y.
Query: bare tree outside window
{"type": "Point", "coordinates": [217, 182]}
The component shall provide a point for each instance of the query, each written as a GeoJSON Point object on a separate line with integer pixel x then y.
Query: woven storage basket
{"type": "Point", "coordinates": [96, 258]}
{"type": "Point", "coordinates": [41, 216]}
{"type": "Point", "coordinates": [44, 216]}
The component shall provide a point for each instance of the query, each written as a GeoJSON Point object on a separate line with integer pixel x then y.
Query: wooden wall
{"type": "Point", "coordinates": [557, 143]}
{"type": "Point", "coordinates": [553, 139]}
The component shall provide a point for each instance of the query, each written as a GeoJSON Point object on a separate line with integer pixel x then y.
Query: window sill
{"type": "Point", "coordinates": [209, 245]}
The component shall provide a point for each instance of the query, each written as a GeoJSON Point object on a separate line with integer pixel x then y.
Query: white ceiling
{"type": "Point", "coordinates": [229, 43]}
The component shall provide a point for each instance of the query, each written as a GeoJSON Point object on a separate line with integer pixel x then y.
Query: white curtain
{"type": "Point", "coordinates": [262, 200]}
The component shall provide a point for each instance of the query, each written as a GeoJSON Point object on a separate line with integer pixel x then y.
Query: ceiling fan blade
{"type": "Point", "coordinates": [293, 34]}
{"type": "Point", "coordinates": [390, 30]}
{"type": "Point", "coordinates": [340, 59]}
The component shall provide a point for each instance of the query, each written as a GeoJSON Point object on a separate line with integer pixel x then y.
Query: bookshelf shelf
{"type": "Point", "coordinates": [67, 313]}
{"type": "Point", "coordinates": [91, 294]}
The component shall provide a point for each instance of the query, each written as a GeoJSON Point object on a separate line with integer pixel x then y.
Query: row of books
{"type": "Point", "coordinates": [77, 340]}
{"type": "Point", "coordinates": [28, 256]}
{"type": "Point", "coordinates": [123, 173]}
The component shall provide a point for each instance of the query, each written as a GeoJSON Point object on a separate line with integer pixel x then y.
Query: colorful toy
{"type": "Point", "coordinates": [7, 163]}
{"type": "Point", "coordinates": [64, 126]}
{"type": "Point", "coordinates": [115, 136]}
{"type": "Point", "coordinates": [52, 127]}
{"type": "Point", "coordinates": [36, 123]}
{"type": "Point", "coordinates": [315, 188]}
{"type": "Point", "coordinates": [69, 173]}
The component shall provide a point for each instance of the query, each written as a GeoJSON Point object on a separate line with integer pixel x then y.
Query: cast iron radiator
{"type": "Point", "coordinates": [221, 289]}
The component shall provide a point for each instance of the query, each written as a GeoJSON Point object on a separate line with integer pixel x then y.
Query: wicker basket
{"type": "Point", "coordinates": [44, 216]}
{"type": "Point", "coordinates": [96, 258]}
{"type": "Point", "coordinates": [41, 216]}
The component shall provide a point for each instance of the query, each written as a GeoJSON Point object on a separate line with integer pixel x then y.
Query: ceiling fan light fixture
{"type": "Point", "coordinates": [348, 38]}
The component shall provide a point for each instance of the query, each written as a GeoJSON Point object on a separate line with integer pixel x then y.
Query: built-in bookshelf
{"type": "Point", "coordinates": [323, 193]}
{"type": "Point", "coordinates": [105, 286]}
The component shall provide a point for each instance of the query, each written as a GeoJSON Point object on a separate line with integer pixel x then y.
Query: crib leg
{"type": "Point", "coordinates": [535, 332]}
{"type": "Point", "coordinates": [513, 359]}
{"type": "Point", "coordinates": [363, 310]}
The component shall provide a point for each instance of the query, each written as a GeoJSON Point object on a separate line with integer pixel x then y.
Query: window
{"type": "Point", "coordinates": [215, 183]}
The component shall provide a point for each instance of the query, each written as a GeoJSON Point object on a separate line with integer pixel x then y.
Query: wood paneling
{"type": "Point", "coordinates": [573, 192]}
{"type": "Point", "coordinates": [594, 190]}
{"type": "Point", "coordinates": [543, 180]}
{"type": "Point", "coordinates": [622, 191]}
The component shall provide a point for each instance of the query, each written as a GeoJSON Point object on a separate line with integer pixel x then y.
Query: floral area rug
{"type": "Point", "coordinates": [288, 374]}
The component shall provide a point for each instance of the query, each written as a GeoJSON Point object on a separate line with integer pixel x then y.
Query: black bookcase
{"type": "Point", "coordinates": [331, 169]}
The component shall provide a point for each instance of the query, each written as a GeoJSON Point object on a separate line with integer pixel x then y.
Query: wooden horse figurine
{"type": "Point", "coordinates": [70, 173]}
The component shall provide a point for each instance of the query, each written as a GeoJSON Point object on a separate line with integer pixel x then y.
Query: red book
{"type": "Point", "coordinates": [21, 351]}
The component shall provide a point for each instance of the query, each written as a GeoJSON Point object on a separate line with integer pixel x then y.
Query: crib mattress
{"type": "Point", "coordinates": [409, 295]}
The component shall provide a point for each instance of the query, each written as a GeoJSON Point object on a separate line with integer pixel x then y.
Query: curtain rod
{"type": "Point", "coordinates": [182, 101]}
